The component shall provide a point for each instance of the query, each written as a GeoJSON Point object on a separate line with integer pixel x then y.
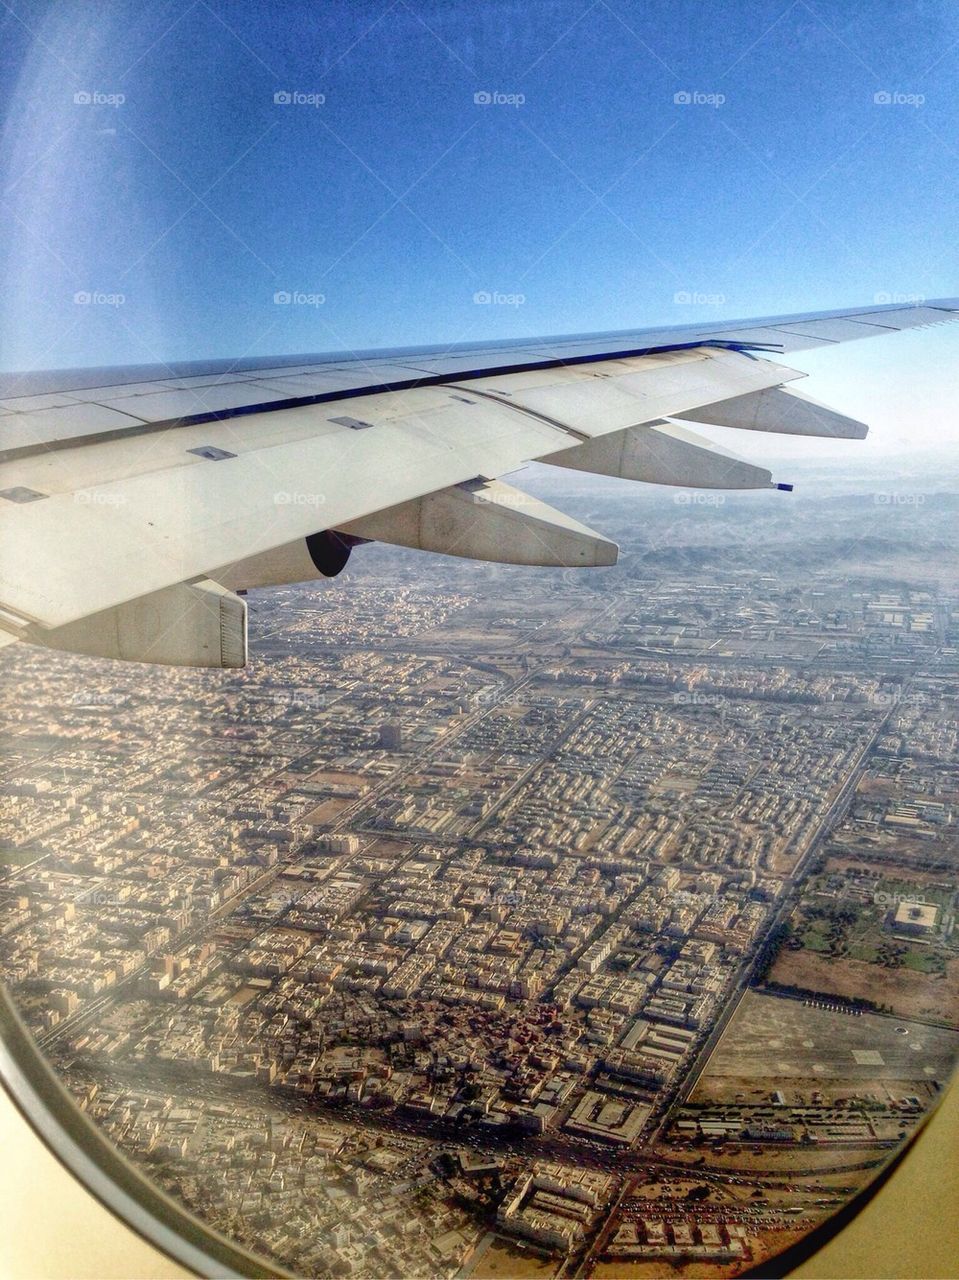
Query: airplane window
{"type": "Point", "coordinates": [402, 876]}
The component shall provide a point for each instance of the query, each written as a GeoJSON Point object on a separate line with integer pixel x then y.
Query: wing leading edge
{"type": "Point", "coordinates": [180, 502]}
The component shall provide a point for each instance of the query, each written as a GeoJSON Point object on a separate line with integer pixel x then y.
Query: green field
{"type": "Point", "coordinates": [16, 857]}
{"type": "Point", "coordinates": [854, 930]}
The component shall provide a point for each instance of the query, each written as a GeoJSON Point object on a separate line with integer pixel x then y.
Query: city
{"type": "Point", "coordinates": [497, 922]}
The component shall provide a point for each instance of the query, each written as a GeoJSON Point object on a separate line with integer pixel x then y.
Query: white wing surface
{"type": "Point", "coordinates": [131, 506]}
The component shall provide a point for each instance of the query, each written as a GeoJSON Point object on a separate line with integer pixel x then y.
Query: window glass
{"type": "Point", "coordinates": [493, 919]}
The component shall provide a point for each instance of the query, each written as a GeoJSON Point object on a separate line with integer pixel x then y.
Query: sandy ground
{"type": "Point", "coordinates": [779, 1039]}
{"type": "Point", "coordinates": [501, 1261]}
{"type": "Point", "coordinates": [907, 992]}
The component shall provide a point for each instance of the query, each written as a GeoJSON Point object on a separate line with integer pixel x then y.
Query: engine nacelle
{"type": "Point", "coordinates": [321, 555]}
{"type": "Point", "coordinates": [479, 520]}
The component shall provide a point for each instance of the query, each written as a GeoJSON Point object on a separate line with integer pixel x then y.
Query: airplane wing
{"type": "Point", "coordinates": [135, 503]}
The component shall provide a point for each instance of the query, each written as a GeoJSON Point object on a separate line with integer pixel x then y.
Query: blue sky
{"type": "Point", "coordinates": [183, 197]}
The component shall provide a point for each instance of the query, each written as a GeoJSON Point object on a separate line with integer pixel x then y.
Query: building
{"type": "Point", "coordinates": [917, 918]}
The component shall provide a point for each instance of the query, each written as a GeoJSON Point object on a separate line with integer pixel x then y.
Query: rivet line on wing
{"type": "Point", "coordinates": [529, 413]}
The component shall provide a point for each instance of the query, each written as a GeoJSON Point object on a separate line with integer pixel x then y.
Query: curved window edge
{"type": "Point", "coordinates": [784, 1263]}
{"type": "Point", "coordinates": [88, 1154]}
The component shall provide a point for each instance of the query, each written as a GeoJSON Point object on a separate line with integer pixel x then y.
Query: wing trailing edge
{"type": "Point", "coordinates": [779, 411]}
{"type": "Point", "coordinates": [488, 520]}
{"type": "Point", "coordinates": [199, 624]}
{"type": "Point", "coordinates": [663, 453]}
{"type": "Point", "coordinates": [127, 496]}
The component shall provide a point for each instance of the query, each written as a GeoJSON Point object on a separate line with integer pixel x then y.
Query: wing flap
{"type": "Point", "coordinates": [103, 523]}
{"type": "Point", "coordinates": [779, 411]}
{"type": "Point", "coordinates": [593, 399]}
{"type": "Point", "coordinates": [104, 499]}
{"type": "Point", "coordinates": [187, 625]}
{"type": "Point", "coordinates": [488, 520]}
{"type": "Point", "coordinates": [75, 552]}
{"type": "Point", "coordinates": [663, 453]}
